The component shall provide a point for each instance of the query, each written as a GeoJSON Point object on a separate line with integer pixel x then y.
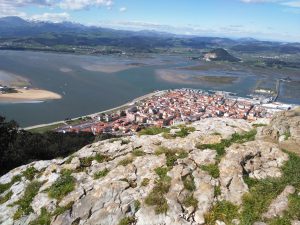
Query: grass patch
{"type": "Point", "coordinates": [153, 131]}
{"type": "Point", "coordinates": [188, 182]}
{"type": "Point", "coordinates": [137, 205]}
{"type": "Point", "coordinates": [101, 173]}
{"type": "Point", "coordinates": [60, 210]}
{"type": "Point", "coordinates": [236, 138]}
{"type": "Point", "coordinates": [43, 219]}
{"type": "Point", "coordinates": [171, 155]}
{"type": "Point", "coordinates": [287, 135]}
{"type": "Point", "coordinates": [212, 169]}
{"type": "Point", "coordinates": [127, 220]}
{"type": "Point", "coordinates": [29, 173]}
{"type": "Point", "coordinates": [138, 152]}
{"type": "Point", "coordinates": [6, 186]}
{"type": "Point", "coordinates": [156, 196]}
{"type": "Point", "coordinates": [190, 201]}
{"type": "Point", "coordinates": [126, 161]}
{"type": "Point", "coordinates": [24, 203]}
{"type": "Point", "coordinates": [145, 182]}
{"type": "Point", "coordinates": [183, 132]}
{"type": "Point", "coordinates": [6, 197]}
{"type": "Point", "coordinates": [62, 186]}
{"type": "Point", "coordinates": [223, 211]}
{"type": "Point", "coordinates": [217, 191]}
{"type": "Point", "coordinates": [86, 161]}
{"type": "Point", "coordinates": [46, 128]}
{"type": "Point", "coordinates": [100, 158]}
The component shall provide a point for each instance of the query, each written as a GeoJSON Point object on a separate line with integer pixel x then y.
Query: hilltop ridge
{"type": "Point", "coordinates": [213, 171]}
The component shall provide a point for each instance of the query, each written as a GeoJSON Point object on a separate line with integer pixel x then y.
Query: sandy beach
{"type": "Point", "coordinates": [29, 95]}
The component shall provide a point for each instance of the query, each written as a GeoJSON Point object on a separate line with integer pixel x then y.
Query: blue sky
{"type": "Point", "coordinates": [263, 19]}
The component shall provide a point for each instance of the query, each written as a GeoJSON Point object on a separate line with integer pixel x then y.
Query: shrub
{"type": "Point", "coordinates": [43, 219]}
{"type": "Point", "coordinates": [126, 161]}
{"type": "Point", "coordinates": [24, 203]}
{"type": "Point", "coordinates": [145, 182]}
{"type": "Point", "coordinates": [60, 210]}
{"type": "Point", "coordinates": [156, 196]}
{"type": "Point", "coordinates": [217, 191]}
{"type": "Point", "coordinates": [6, 197]}
{"type": "Point", "coordinates": [137, 205]}
{"type": "Point", "coordinates": [188, 182]}
{"type": "Point", "coordinates": [171, 155]}
{"type": "Point", "coordinates": [190, 201]}
{"type": "Point", "coordinates": [62, 186]}
{"type": "Point", "coordinates": [6, 186]}
{"type": "Point", "coordinates": [100, 158]}
{"type": "Point", "coordinates": [138, 152]}
{"type": "Point", "coordinates": [127, 220]}
{"type": "Point", "coordinates": [101, 173]}
{"type": "Point", "coordinates": [223, 211]}
{"type": "Point", "coordinates": [212, 169]}
{"type": "Point", "coordinates": [29, 173]}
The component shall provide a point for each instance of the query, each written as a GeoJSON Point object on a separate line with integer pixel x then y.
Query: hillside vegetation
{"type": "Point", "coordinates": [214, 171]}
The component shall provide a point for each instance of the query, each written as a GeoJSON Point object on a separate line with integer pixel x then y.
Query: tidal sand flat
{"type": "Point", "coordinates": [179, 78]}
{"type": "Point", "coordinates": [29, 95]}
{"type": "Point", "coordinates": [108, 68]}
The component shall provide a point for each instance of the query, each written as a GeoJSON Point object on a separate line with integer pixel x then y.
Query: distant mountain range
{"type": "Point", "coordinates": [15, 31]}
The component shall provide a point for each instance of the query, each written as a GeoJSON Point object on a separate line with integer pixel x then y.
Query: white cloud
{"type": "Point", "coordinates": [123, 9]}
{"type": "Point", "coordinates": [83, 4]}
{"type": "Point", "coordinates": [295, 4]}
{"type": "Point", "coordinates": [54, 17]}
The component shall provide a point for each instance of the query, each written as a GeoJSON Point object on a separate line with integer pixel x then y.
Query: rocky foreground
{"type": "Point", "coordinates": [215, 171]}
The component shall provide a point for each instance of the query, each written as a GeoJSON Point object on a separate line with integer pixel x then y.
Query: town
{"type": "Point", "coordinates": [174, 107]}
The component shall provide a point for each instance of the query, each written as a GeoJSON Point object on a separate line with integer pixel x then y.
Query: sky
{"type": "Point", "coordinates": [261, 19]}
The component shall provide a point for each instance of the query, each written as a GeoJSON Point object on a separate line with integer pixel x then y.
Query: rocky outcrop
{"type": "Point", "coordinates": [284, 128]}
{"type": "Point", "coordinates": [109, 181]}
{"type": "Point", "coordinates": [256, 159]}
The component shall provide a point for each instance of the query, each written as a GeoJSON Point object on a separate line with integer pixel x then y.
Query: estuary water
{"type": "Point", "coordinates": [90, 84]}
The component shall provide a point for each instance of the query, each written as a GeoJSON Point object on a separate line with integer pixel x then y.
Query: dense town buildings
{"type": "Point", "coordinates": [174, 107]}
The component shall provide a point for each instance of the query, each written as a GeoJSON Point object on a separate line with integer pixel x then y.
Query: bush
{"type": "Point", "coordinates": [126, 161]}
{"type": "Point", "coordinates": [43, 219]}
{"type": "Point", "coordinates": [212, 169]}
{"type": "Point", "coordinates": [60, 210]}
{"type": "Point", "coordinates": [145, 182]}
{"type": "Point", "coordinates": [6, 186]}
{"type": "Point", "coordinates": [156, 196]}
{"type": "Point", "coordinates": [101, 173]}
{"type": "Point", "coordinates": [62, 186]}
{"type": "Point", "coordinates": [190, 201]}
{"type": "Point", "coordinates": [127, 220]}
{"type": "Point", "coordinates": [223, 211]}
{"type": "Point", "coordinates": [29, 173]}
{"type": "Point", "coordinates": [171, 155]}
{"type": "Point", "coordinates": [24, 203]}
{"type": "Point", "coordinates": [188, 182]}
{"type": "Point", "coordinates": [138, 152]}
{"type": "Point", "coordinates": [6, 197]}
{"type": "Point", "coordinates": [100, 158]}
{"type": "Point", "coordinates": [19, 147]}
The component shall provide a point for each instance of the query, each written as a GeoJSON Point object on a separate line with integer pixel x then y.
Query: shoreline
{"type": "Point", "coordinates": [24, 95]}
{"type": "Point", "coordinates": [97, 113]}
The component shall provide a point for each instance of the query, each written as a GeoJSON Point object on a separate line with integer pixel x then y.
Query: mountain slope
{"type": "Point", "coordinates": [211, 175]}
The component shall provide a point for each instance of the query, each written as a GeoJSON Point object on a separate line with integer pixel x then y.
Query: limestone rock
{"type": "Point", "coordinates": [280, 204]}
